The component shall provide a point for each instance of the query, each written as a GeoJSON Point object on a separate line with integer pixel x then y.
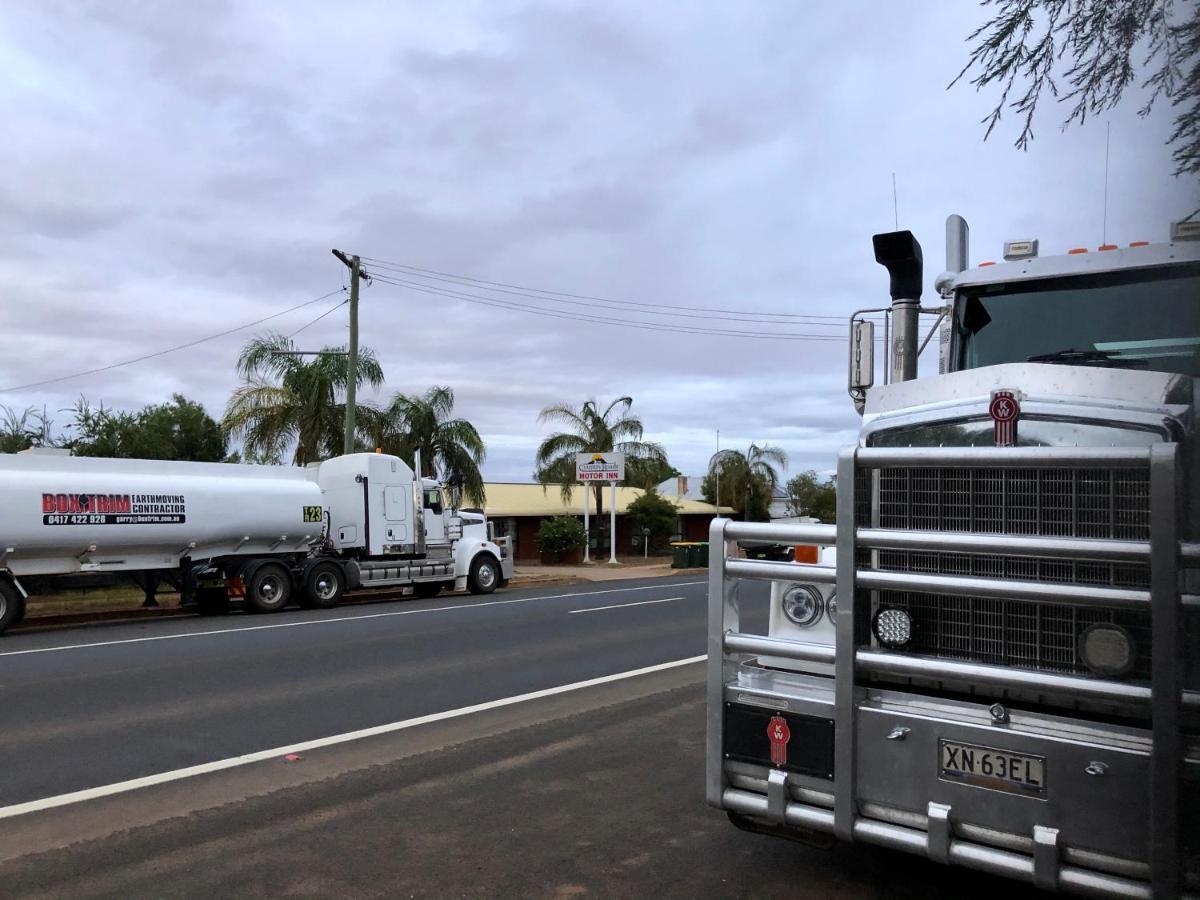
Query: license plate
{"type": "Point", "coordinates": [989, 767]}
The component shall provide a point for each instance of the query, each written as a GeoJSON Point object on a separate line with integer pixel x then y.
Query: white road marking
{"type": "Point", "coordinates": [121, 787]}
{"type": "Point", "coordinates": [307, 622]}
{"type": "Point", "coordinates": [622, 605]}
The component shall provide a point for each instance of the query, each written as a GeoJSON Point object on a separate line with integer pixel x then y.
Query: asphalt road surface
{"type": "Point", "coordinates": [595, 790]}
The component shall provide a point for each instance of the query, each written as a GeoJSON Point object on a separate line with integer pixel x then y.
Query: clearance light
{"type": "Point", "coordinates": [1107, 649]}
{"type": "Point", "coordinates": [805, 553]}
{"type": "Point", "coordinates": [1108, 246]}
{"type": "Point", "coordinates": [892, 628]}
{"type": "Point", "coordinates": [988, 263]}
{"type": "Point", "coordinates": [1074, 250]}
{"type": "Point", "coordinates": [1139, 243]}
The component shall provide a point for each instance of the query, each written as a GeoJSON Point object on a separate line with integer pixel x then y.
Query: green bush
{"type": "Point", "coordinates": [658, 514]}
{"type": "Point", "coordinates": [560, 534]}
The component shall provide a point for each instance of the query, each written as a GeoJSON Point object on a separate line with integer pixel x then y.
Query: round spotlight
{"type": "Point", "coordinates": [831, 607]}
{"type": "Point", "coordinates": [802, 604]}
{"type": "Point", "coordinates": [1107, 649]}
{"type": "Point", "coordinates": [892, 628]}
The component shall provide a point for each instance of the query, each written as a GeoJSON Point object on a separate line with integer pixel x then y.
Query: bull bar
{"type": "Point", "coordinates": [1162, 702]}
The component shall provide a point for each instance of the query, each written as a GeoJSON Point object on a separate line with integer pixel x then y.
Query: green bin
{"type": "Point", "coordinates": [680, 554]}
{"type": "Point", "coordinates": [701, 558]}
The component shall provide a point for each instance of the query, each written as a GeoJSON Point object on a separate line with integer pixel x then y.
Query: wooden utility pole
{"type": "Point", "coordinates": [352, 363]}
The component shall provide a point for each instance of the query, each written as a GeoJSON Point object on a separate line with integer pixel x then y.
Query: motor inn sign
{"type": "Point", "coordinates": [606, 467]}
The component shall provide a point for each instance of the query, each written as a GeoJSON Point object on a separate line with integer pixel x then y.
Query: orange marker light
{"type": "Point", "coordinates": [1075, 250]}
{"type": "Point", "coordinates": [378, 449]}
{"type": "Point", "coordinates": [988, 263]}
{"type": "Point", "coordinates": [1108, 246]}
{"type": "Point", "coordinates": [1139, 243]}
{"type": "Point", "coordinates": [805, 553]}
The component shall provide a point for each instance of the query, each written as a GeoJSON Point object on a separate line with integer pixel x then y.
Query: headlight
{"type": "Point", "coordinates": [892, 628]}
{"type": "Point", "coordinates": [802, 604]}
{"type": "Point", "coordinates": [1107, 649]}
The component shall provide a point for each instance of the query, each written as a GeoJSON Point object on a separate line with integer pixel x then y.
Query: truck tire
{"type": "Point", "coordinates": [212, 601]}
{"type": "Point", "coordinates": [12, 605]}
{"type": "Point", "coordinates": [485, 574]}
{"type": "Point", "coordinates": [324, 585]}
{"type": "Point", "coordinates": [269, 588]}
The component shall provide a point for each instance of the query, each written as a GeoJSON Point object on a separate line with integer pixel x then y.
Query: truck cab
{"type": "Point", "coordinates": [990, 660]}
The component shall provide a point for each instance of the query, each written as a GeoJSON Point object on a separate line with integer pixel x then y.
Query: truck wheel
{"type": "Point", "coordinates": [212, 601]}
{"type": "Point", "coordinates": [485, 574]}
{"type": "Point", "coordinates": [12, 605]}
{"type": "Point", "coordinates": [323, 586]}
{"type": "Point", "coordinates": [269, 589]}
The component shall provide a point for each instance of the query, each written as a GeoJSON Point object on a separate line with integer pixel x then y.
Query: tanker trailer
{"type": "Point", "coordinates": [253, 526]}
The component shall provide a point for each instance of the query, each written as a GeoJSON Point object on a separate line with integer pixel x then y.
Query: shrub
{"type": "Point", "coordinates": [560, 534]}
{"type": "Point", "coordinates": [653, 511]}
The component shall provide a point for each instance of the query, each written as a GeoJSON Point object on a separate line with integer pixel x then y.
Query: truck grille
{"type": "Point", "coordinates": [1108, 503]}
{"type": "Point", "coordinates": [1083, 503]}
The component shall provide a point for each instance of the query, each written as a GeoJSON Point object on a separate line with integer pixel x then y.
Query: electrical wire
{"type": "Point", "coordinates": [584, 317]}
{"type": "Point", "coordinates": [319, 318]}
{"type": "Point", "coordinates": [670, 313]}
{"type": "Point", "coordinates": [468, 281]}
{"type": "Point", "coordinates": [155, 355]}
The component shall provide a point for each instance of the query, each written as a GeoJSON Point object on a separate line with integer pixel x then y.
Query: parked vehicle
{"type": "Point", "coordinates": [263, 536]}
{"type": "Point", "coordinates": [993, 659]}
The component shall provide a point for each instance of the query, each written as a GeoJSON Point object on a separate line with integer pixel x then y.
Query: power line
{"type": "Point", "coordinates": [155, 355]}
{"type": "Point", "coordinates": [318, 318]}
{"type": "Point", "coordinates": [584, 317]}
{"type": "Point", "coordinates": [587, 304]}
{"type": "Point", "coordinates": [434, 274]}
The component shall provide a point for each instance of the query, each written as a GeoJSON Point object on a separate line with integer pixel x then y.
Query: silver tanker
{"type": "Point", "coordinates": [991, 659]}
{"type": "Point", "coordinates": [262, 535]}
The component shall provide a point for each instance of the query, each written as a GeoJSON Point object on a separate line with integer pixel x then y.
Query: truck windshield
{"type": "Point", "coordinates": [1142, 319]}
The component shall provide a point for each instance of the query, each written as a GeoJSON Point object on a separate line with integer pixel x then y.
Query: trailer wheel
{"type": "Point", "coordinates": [211, 601]}
{"type": "Point", "coordinates": [323, 586]}
{"type": "Point", "coordinates": [12, 605]}
{"type": "Point", "coordinates": [485, 574]}
{"type": "Point", "coordinates": [269, 588]}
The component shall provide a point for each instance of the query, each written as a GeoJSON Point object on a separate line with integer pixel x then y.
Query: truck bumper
{"type": "Point", "coordinates": [1084, 831]}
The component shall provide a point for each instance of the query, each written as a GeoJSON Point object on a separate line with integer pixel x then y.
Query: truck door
{"type": "Point", "coordinates": [435, 519]}
{"type": "Point", "coordinates": [397, 513]}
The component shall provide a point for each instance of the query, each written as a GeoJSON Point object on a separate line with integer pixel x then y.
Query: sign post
{"type": "Point", "coordinates": [587, 532]}
{"type": "Point", "coordinates": [602, 467]}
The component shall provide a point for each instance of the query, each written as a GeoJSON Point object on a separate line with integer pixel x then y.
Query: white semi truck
{"type": "Point", "coordinates": [260, 535]}
{"type": "Point", "coordinates": [993, 658]}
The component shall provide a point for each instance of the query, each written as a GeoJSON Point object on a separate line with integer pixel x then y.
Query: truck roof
{"type": "Point", "coordinates": [1123, 258]}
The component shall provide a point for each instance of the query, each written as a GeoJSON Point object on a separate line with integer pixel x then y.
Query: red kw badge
{"type": "Point", "coordinates": [1004, 410]}
{"type": "Point", "coordinates": [778, 734]}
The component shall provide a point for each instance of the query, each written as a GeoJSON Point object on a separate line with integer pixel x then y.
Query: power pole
{"type": "Point", "coordinates": [356, 272]}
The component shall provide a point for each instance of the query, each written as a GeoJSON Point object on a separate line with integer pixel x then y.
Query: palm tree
{"type": "Point", "coordinates": [289, 399]}
{"type": "Point", "coordinates": [450, 448]}
{"type": "Point", "coordinates": [591, 431]}
{"type": "Point", "coordinates": [741, 475]}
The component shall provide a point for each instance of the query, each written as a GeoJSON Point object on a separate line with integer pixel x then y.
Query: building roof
{"type": "Point", "coordinates": [505, 499]}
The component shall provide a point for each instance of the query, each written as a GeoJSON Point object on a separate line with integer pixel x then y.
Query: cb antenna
{"type": "Point", "coordinates": [1104, 221]}
{"type": "Point", "coordinates": [895, 203]}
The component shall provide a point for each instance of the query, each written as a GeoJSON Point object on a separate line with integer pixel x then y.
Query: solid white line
{"type": "Point", "coordinates": [572, 612]}
{"type": "Point", "coordinates": [304, 622]}
{"type": "Point", "coordinates": [121, 787]}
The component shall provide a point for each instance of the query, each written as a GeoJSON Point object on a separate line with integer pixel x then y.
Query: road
{"type": "Point", "coordinates": [596, 790]}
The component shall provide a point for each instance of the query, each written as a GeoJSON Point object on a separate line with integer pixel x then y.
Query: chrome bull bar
{"type": "Point", "coordinates": [1162, 701]}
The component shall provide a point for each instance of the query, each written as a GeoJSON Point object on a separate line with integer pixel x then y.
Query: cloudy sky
{"type": "Point", "coordinates": [177, 170]}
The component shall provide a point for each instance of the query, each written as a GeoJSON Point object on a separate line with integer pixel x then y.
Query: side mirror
{"type": "Point", "coordinates": [862, 355]}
